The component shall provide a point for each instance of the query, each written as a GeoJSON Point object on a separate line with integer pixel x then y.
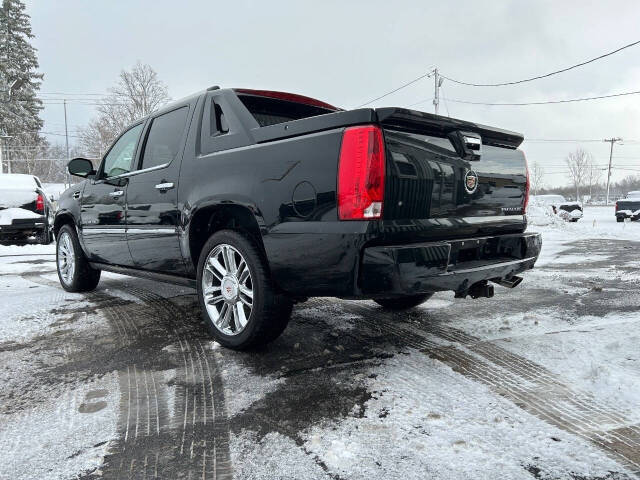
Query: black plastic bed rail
{"type": "Point", "coordinates": [429, 124]}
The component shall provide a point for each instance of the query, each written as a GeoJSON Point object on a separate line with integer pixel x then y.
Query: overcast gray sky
{"type": "Point", "coordinates": [349, 52]}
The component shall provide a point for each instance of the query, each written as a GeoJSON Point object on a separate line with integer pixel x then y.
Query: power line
{"type": "Point", "coordinates": [547, 102]}
{"type": "Point", "coordinates": [426, 75]}
{"type": "Point", "coordinates": [576, 140]}
{"type": "Point", "coordinates": [93, 94]}
{"type": "Point", "coordinates": [561, 140]}
{"type": "Point", "coordinates": [538, 77]}
{"type": "Point", "coordinates": [73, 94]}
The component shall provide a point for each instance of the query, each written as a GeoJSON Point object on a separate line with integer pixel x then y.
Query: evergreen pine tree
{"type": "Point", "coordinates": [20, 112]}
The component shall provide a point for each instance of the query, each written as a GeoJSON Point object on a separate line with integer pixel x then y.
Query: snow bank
{"type": "Point", "coordinates": [597, 222]}
{"type": "Point", "coordinates": [541, 215]}
{"type": "Point", "coordinates": [20, 250]}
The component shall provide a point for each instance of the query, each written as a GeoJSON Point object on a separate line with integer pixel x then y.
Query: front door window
{"type": "Point", "coordinates": [120, 157]}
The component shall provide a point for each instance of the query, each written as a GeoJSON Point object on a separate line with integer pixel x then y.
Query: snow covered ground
{"type": "Point", "coordinates": [542, 381]}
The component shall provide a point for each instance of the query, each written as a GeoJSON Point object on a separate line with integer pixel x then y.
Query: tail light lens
{"type": "Point", "coordinates": [617, 206]}
{"type": "Point", "coordinates": [527, 187]}
{"type": "Point", "coordinates": [361, 173]}
{"type": "Point", "coordinates": [40, 203]}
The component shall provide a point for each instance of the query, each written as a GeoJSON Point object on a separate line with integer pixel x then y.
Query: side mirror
{"type": "Point", "coordinates": [81, 167]}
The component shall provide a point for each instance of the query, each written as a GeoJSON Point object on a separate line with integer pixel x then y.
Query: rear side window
{"type": "Point", "coordinates": [164, 138]}
{"type": "Point", "coordinates": [271, 111]}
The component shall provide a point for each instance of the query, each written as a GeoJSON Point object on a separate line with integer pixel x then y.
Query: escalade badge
{"type": "Point", "coordinates": [471, 181]}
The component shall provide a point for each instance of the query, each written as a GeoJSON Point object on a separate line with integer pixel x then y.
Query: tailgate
{"type": "Point", "coordinates": [632, 205]}
{"type": "Point", "coordinates": [16, 197]}
{"type": "Point", "coordinates": [435, 186]}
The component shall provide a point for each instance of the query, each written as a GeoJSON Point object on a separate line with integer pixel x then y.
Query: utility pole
{"type": "Point", "coordinates": [66, 137]}
{"type": "Point", "coordinates": [437, 83]}
{"type": "Point", "coordinates": [611, 141]}
{"type": "Point", "coordinates": [1, 142]}
{"type": "Point", "coordinates": [436, 93]}
{"type": "Point", "coordinates": [3, 139]}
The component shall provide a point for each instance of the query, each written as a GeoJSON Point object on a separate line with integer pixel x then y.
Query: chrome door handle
{"type": "Point", "coordinates": [117, 193]}
{"type": "Point", "coordinates": [165, 186]}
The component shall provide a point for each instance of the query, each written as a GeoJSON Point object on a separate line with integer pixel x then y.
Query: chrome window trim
{"type": "Point", "coordinates": [135, 172]}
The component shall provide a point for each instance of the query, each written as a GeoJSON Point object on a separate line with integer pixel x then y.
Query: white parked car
{"type": "Point", "coordinates": [26, 212]}
{"type": "Point", "coordinates": [569, 211]}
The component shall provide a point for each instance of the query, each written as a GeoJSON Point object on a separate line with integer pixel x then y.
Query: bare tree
{"type": "Point", "coordinates": [578, 163]}
{"type": "Point", "coordinates": [536, 177]}
{"type": "Point", "coordinates": [138, 93]}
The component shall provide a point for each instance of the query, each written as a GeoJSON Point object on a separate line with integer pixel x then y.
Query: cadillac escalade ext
{"type": "Point", "coordinates": [261, 199]}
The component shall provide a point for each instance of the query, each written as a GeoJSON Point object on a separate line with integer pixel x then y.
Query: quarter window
{"type": "Point", "coordinates": [119, 158]}
{"type": "Point", "coordinates": [163, 140]}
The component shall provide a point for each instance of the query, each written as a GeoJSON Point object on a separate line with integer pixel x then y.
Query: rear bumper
{"type": "Point", "coordinates": [447, 265]}
{"type": "Point", "coordinates": [628, 214]}
{"type": "Point", "coordinates": [23, 227]}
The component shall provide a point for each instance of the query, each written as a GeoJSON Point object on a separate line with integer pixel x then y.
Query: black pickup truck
{"type": "Point", "coordinates": [261, 199]}
{"type": "Point", "coordinates": [628, 207]}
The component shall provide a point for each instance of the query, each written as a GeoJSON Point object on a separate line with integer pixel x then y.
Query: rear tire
{"type": "Point", "coordinates": [619, 219]}
{"type": "Point", "coordinates": [403, 303]}
{"type": "Point", "coordinates": [74, 271]}
{"type": "Point", "coordinates": [44, 238]}
{"type": "Point", "coordinates": [240, 304]}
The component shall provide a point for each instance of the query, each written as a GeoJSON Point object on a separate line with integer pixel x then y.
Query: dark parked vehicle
{"type": "Point", "coordinates": [261, 199]}
{"type": "Point", "coordinates": [628, 207]}
{"type": "Point", "coordinates": [25, 211]}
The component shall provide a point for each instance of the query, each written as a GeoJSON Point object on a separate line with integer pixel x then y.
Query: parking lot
{"type": "Point", "coordinates": [540, 382]}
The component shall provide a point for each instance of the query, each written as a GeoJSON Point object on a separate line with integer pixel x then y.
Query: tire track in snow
{"type": "Point", "coordinates": [530, 386]}
{"type": "Point", "coordinates": [191, 444]}
{"type": "Point", "coordinates": [143, 451]}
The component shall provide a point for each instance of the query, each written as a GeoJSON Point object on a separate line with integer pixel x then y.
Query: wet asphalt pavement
{"type": "Point", "coordinates": [181, 398]}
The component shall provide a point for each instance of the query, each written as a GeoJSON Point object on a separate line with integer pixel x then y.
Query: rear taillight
{"type": "Point", "coordinates": [40, 203]}
{"type": "Point", "coordinates": [527, 186]}
{"type": "Point", "coordinates": [617, 206]}
{"type": "Point", "coordinates": [361, 174]}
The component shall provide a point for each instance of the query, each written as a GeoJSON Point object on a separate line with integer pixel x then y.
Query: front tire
{"type": "Point", "coordinates": [403, 303]}
{"type": "Point", "coordinates": [240, 304]}
{"type": "Point", "coordinates": [74, 271]}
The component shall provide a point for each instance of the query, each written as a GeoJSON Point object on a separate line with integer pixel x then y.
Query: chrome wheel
{"type": "Point", "coordinates": [227, 289]}
{"type": "Point", "coordinates": [66, 258]}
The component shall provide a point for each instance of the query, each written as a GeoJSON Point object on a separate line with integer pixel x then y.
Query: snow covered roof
{"type": "Point", "coordinates": [17, 180]}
